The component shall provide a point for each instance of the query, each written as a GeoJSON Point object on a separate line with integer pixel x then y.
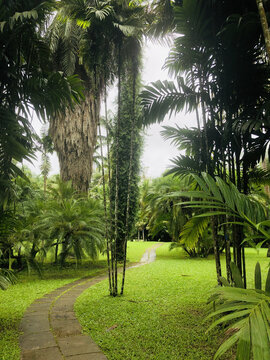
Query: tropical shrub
{"type": "Point", "coordinates": [7, 278]}
{"type": "Point", "coordinates": [75, 226]}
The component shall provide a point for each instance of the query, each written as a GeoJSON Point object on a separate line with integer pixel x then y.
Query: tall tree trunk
{"type": "Point", "coordinates": [265, 28]}
{"type": "Point", "coordinates": [115, 247]}
{"type": "Point", "coordinates": [107, 230]}
{"type": "Point", "coordinates": [74, 135]}
{"type": "Point", "coordinates": [133, 121]}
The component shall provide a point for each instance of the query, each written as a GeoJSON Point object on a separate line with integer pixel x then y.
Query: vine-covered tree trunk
{"type": "Point", "coordinates": [74, 135]}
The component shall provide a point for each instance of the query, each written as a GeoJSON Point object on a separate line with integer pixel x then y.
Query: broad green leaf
{"type": "Point", "coordinates": [259, 337]}
{"type": "Point", "coordinates": [243, 348]}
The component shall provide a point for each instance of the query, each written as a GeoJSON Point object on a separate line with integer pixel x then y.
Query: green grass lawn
{"type": "Point", "coordinates": [15, 300]}
{"type": "Point", "coordinates": [161, 314]}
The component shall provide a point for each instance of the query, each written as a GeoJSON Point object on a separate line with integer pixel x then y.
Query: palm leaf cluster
{"type": "Point", "coordinates": [246, 314]}
{"type": "Point", "coordinates": [218, 198]}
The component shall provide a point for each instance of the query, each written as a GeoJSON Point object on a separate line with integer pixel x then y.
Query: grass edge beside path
{"type": "Point", "coordinates": [15, 300]}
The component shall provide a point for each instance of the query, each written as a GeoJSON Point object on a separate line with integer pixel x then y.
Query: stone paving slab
{"type": "Point", "coordinates": [29, 326]}
{"type": "Point", "coordinates": [66, 327]}
{"type": "Point", "coordinates": [52, 353]}
{"type": "Point", "coordinates": [35, 341]}
{"type": "Point", "coordinates": [78, 345]}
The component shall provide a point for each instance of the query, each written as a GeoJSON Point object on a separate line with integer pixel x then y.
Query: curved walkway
{"type": "Point", "coordinates": [50, 328]}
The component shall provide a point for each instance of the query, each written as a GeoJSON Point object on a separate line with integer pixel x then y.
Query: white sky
{"type": "Point", "coordinates": [157, 152]}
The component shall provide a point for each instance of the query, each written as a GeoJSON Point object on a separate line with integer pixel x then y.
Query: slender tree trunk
{"type": "Point", "coordinates": [108, 242]}
{"type": "Point", "coordinates": [133, 121]}
{"type": "Point", "coordinates": [228, 255]}
{"type": "Point", "coordinates": [74, 135]}
{"type": "Point", "coordinates": [115, 290]}
{"type": "Point", "coordinates": [56, 253]}
{"type": "Point", "coordinates": [9, 259]}
{"type": "Point", "coordinates": [213, 219]}
{"type": "Point", "coordinates": [244, 267]}
{"type": "Point", "coordinates": [205, 128]}
{"type": "Point", "coordinates": [265, 28]}
{"type": "Point", "coordinates": [216, 249]}
{"type": "Point", "coordinates": [112, 250]}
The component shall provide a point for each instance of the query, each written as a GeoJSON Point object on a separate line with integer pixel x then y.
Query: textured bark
{"type": "Point", "coordinates": [265, 28]}
{"type": "Point", "coordinates": [74, 135]}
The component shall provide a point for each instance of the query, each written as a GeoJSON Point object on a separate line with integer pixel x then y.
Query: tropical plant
{"type": "Point", "coordinates": [75, 226]}
{"type": "Point", "coordinates": [246, 315]}
{"type": "Point", "coordinates": [7, 278]}
{"type": "Point", "coordinates": [218, 198]}
{"type": "Point", "coordinates": [89, 38]}
{"type": "Point", "coordinates": [210, 58]}
{"type": "Point", "coordinates": [27, 83]}
{"type": "Point", "coordinates": [161, 218]}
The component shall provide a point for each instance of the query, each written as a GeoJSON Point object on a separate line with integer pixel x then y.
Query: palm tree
{"type": "Point", "coordinates": [27, 83]}
{"type": "Point", "coordinates": [89, 40]}
{"type": "Point", "coordinates": [77, 225]}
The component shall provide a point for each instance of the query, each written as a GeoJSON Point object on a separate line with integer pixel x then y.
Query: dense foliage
{"type": "Point", "coordinates": [58, 222]}
{"type": "Point", "coordinates": [27, 83]}
{"type": "Point", "coordinates": [210, 59]}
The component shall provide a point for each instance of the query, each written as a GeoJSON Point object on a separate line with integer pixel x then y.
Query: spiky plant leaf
{"type": "Point", "coordinates": [237, 278]}
{"type": "Point", "coordinates": [258, 277]}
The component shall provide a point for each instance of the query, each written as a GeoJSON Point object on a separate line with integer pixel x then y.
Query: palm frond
{"type": "Point", "coordinates": [162, 98]}
{"type": "Point", "coordinates": [193, 230]}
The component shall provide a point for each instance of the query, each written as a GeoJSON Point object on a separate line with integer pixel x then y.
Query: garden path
{"type": "Point", "coordinates": [50, 329]}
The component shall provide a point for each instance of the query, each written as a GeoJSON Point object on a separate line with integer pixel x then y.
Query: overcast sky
{"type": "Point", "coordinates": [157, 152]}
